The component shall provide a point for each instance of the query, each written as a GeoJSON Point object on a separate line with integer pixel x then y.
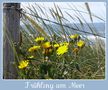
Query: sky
{"type": "Point", "coordinates": [97, 9]}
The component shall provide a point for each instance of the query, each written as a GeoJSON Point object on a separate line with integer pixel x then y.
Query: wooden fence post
{"type": "Point", "coordinates": [11, 31]}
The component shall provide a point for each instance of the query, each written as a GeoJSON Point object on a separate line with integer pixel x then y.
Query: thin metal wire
{"type": "Point", "coordinates": [23, 12]}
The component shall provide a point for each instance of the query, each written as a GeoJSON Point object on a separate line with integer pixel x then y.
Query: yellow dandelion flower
{"type": "Point", "coordinates": [23, 64]}
{"type": "Point", "coordinates": [39, 39]}
{"type": "Point", "coordinates": [31, 49]}
{"type": "Point", "coordinates": [62, 49]}
{"type": "Point", "coordinates": [80, 43]}
{"type": "Point", "coordinates": [46, 45]}
{"type": "Point", "coordinates": [64, 43]}
{"type": "Point", "coordinates": [74, 36]}
{"type": "Point", "coordinates": [56, 45]}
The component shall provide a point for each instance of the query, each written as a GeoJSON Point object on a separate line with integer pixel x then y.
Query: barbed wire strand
{"type": "Point", "coordinates": [23, 12]}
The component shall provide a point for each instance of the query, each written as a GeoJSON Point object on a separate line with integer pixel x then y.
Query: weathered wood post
{"type": "Point", "coordinates": [11, 19]}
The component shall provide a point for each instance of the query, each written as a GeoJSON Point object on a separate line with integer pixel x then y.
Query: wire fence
{"type": "Point", "coordinates": [23, 13]}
